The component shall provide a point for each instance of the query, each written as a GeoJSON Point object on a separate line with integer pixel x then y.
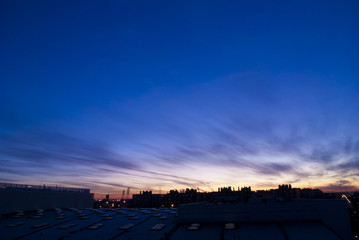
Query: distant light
{"type": "Point", "coordinates": [172, 205]}
{"type": "Point", "coordinates": [124, 201]}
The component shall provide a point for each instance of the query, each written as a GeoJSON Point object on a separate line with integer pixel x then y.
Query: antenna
{"type": "Point", "coordinates": [123, 194]}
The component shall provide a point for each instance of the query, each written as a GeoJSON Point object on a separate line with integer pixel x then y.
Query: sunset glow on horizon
{"type": "Point", "coordinates": [155, 96]}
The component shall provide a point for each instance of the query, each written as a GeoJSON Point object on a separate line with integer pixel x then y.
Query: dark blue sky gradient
{"type": "Point", "coordinates": [173, 94]}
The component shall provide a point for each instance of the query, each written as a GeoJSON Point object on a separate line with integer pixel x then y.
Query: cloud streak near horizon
{"type": "Point", "coordinates": [168, 95]}
{"type": "Point", "coordinates": [197, 137]}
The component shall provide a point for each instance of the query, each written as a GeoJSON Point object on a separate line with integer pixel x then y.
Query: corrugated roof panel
{"type": "Point", "coordinates": [311, 230]}
{"type": "Point", "coordinates": [207, 232]}
{"type": "Point", "coordinates": [254, 232]}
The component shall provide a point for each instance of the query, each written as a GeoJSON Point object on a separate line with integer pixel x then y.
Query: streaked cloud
{"type": "Point", "coordinates": [235, 128]}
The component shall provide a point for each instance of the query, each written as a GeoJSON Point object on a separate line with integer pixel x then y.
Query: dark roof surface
{"type": "Point", "coordinates": [139, 224]}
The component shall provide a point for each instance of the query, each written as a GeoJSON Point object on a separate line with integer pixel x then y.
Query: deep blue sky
{"type": "Point", "coordinates": [174, 94]}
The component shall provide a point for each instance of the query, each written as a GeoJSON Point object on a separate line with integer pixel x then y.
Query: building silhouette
{"type": "Point", "coordinates": [21, 197]}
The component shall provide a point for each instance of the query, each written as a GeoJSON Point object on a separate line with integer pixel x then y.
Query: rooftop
{"type": "Point", "coordinates": [147, 223]}
{"type": "Point", "coordinates": [27, 187]}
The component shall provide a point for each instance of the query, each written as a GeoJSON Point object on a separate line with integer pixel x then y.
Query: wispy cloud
{"type": "Point", "coordinates": [237, 127]}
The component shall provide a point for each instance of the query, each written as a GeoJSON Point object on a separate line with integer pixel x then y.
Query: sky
{"type": "Point", "coordinates": [160, 95]}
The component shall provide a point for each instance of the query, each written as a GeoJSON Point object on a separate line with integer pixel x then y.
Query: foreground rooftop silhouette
{"type": "Point", "coordinates": [234, 214]}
